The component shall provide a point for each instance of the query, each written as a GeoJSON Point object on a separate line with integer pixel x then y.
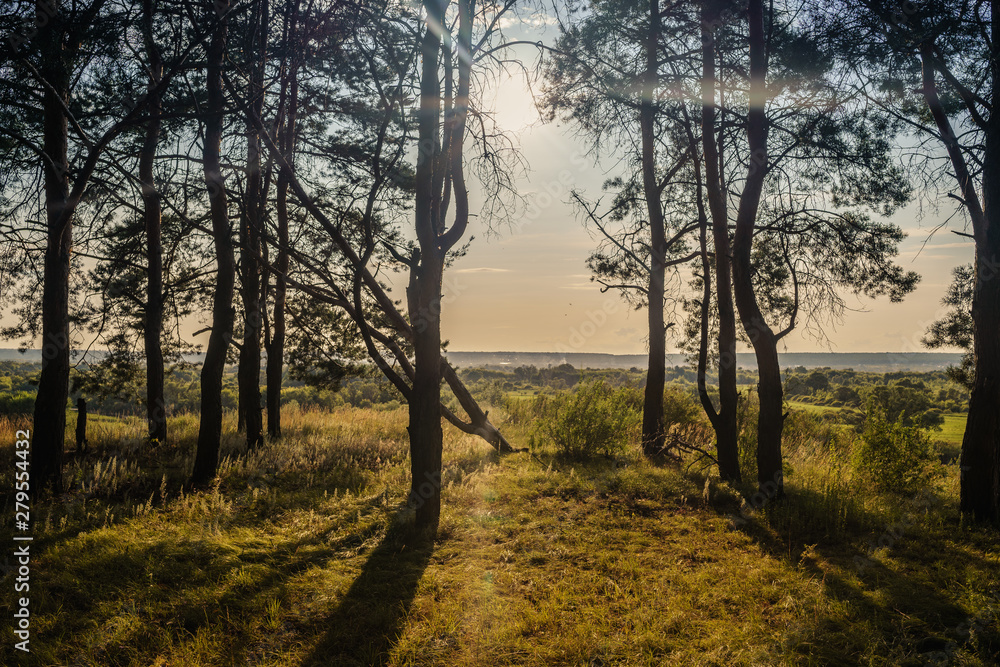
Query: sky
{"type": "Point", "coordinates": [527, 287]}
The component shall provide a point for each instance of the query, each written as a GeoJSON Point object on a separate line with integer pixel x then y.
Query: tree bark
{"type": "Point", "coordinates": [980, 459]}
{"type": "Point", "coordinates": [770, 419]}
{"type": "Point", "coordinates": [653, 436]}
{"type": "Point", "coordinates": [724, 421]}
{"type": "Point", "coordinates": [156, 406]}
{"type": "Point", "coordinates": [49, 431]}
{"type": "Point", "coordinates": [210, 428]}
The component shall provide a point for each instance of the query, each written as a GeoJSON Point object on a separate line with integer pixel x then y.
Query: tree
{"type": "Point", "coordinates": [210, 425]}
{"type": "Point", "coordinates": [812, 159]}
{"type": "Point", "coordinates": [956, 328]}
{"type": "Point", "coordinates": [44, 69]}
{"type": "Point", "coordinates": [251, 226]}
{"type": "Point", "coordinates": [340, 272]}
{"type": "Point", "coordinates": [724, 420]}
{"type": "Point", "coordinates": [288, 113]}
{"type": "Point", "coordinates": [940, 80]}
{"type": "Point", "coordinates": [609, 74]}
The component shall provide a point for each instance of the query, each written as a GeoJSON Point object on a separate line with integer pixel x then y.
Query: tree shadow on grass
{"type": "Point", "coordinates": [908, 613]}
{"type": "Point", "coordinates": [369, 619]}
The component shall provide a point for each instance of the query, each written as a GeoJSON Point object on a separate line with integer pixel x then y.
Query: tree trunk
{"type": "Point", "coordinates": [980, 460]}
{"type": "Point", "coordinates": [249, 369]}
{"type": "Point", "coordinates": [210, 428]}
{"type": "Point", "coordinates": [156, 406]}
{"type": "Point", "coordinates": [724, 423]}
{"type": "Point", "coordinates": [424, 405]}
{"type": "Point", "coordinates": [288, 104]}
{"type": "Point", "coordinates": [49, 431]}
{"type": "Point", "coordinates": [424, 292]}
{"type": "Point", "coordinates": [276, 348]}
{"type": "Point", "coordinates": [765, 343]}
{"type": "Point", "coordinates": [653, 436]}
{"type": "Point", "coordinates": [81, 426]}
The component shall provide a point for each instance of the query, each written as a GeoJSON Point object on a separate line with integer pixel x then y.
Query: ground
{"type": "Point", "coordinates": [301, 556]}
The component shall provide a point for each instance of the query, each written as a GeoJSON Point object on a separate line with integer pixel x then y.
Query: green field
{"type": "Point", "coordinates": [952, 430]}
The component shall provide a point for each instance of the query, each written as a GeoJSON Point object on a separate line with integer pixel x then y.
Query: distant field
{"type": "Point", "coordinates": [952, 430]}
{"type": "Point", "coordinates": [811, 407]}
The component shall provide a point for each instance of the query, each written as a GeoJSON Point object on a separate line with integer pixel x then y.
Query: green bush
{"type": "Point", "coordinates": [892, 456]}
{"type": "Point", "coordinates": [595, 419]}
{"type": "Point", "coordinates": [17, 403]}
{"type": "Point", "coordinates": [679, 407]}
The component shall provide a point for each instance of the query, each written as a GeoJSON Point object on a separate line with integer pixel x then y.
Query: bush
{"type": "Point", "coordinates": [892, 456]}
{"type": "Point", "coordinates": [493, 393]}
{"type": "Point", "coordinates": [679, 408]}
{"type": "Point", "coordinates": [594, 419]}
{"type": "Point", "coordinates": [17, 403]}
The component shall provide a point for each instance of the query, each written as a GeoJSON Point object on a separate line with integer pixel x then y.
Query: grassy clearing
{"type": "Point", "coordinates": [299, 557]}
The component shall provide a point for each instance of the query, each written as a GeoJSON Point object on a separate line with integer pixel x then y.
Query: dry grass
{"type": "Point", "coordinates": [298, 557]}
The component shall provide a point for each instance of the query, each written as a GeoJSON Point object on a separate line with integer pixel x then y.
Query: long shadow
{"type": "Point", "coordinates": [934, 616]}
{"type": "Point", "coordinates": [368, 621]}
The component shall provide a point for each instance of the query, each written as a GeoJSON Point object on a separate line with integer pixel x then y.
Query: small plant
{"type": "Point", "coordinates": [892, 456]}
{"type": "Point", "coordinates": [595, 419]}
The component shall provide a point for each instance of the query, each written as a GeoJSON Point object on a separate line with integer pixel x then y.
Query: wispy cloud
{"type": "Point", "coordinates": [483, 269]}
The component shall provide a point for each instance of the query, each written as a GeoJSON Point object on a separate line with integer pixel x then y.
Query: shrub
{"type": "Point", "coordinates": [892, 456]}
{"type": "Point", "coordinates": [17, 403]}
{"type": "Point", "coordinates": [679, 407]}
{"type": "Point", "coordinates": [493, 393]}
{"type": "Point", "coordinates": [596, 418]}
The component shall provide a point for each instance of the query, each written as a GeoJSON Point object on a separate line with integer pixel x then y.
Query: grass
{"type": "Point", "coordinates": [812, 407]}
{"type": "Point", "coordinates": [953, 429]}
{"type": "Point", "coordinates": [299, 556]}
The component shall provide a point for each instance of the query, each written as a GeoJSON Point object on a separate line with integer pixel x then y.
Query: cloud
{"type": "Point", "coordinates": [482, 269]}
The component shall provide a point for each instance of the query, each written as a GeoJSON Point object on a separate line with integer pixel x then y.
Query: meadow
{"type": "Point", "coordinates": [301, 555]}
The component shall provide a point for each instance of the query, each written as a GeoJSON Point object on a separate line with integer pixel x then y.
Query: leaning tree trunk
{"type": "Point", "coordinates": [653, 436]}
{"type": "Point", "coordinates": [765, 342]}
{"type": "Point", "coordinates": [49, 431]}
{"type": "Point", "coordinates": [156, 406]}
{"type": "Point", "coordinates": [210, 428]}
{"type": "Point", "coordinates": [724, 421]}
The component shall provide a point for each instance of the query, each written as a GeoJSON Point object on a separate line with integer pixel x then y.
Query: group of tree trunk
{"type": "Point", "coordinates": [219, 157]}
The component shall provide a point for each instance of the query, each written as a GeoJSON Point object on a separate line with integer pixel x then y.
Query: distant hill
{"type": "Point", "coordinates": [879, 362]}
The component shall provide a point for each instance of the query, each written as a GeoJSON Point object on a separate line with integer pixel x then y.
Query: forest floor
{"type": "Point", "coordinates": [299, 556]}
